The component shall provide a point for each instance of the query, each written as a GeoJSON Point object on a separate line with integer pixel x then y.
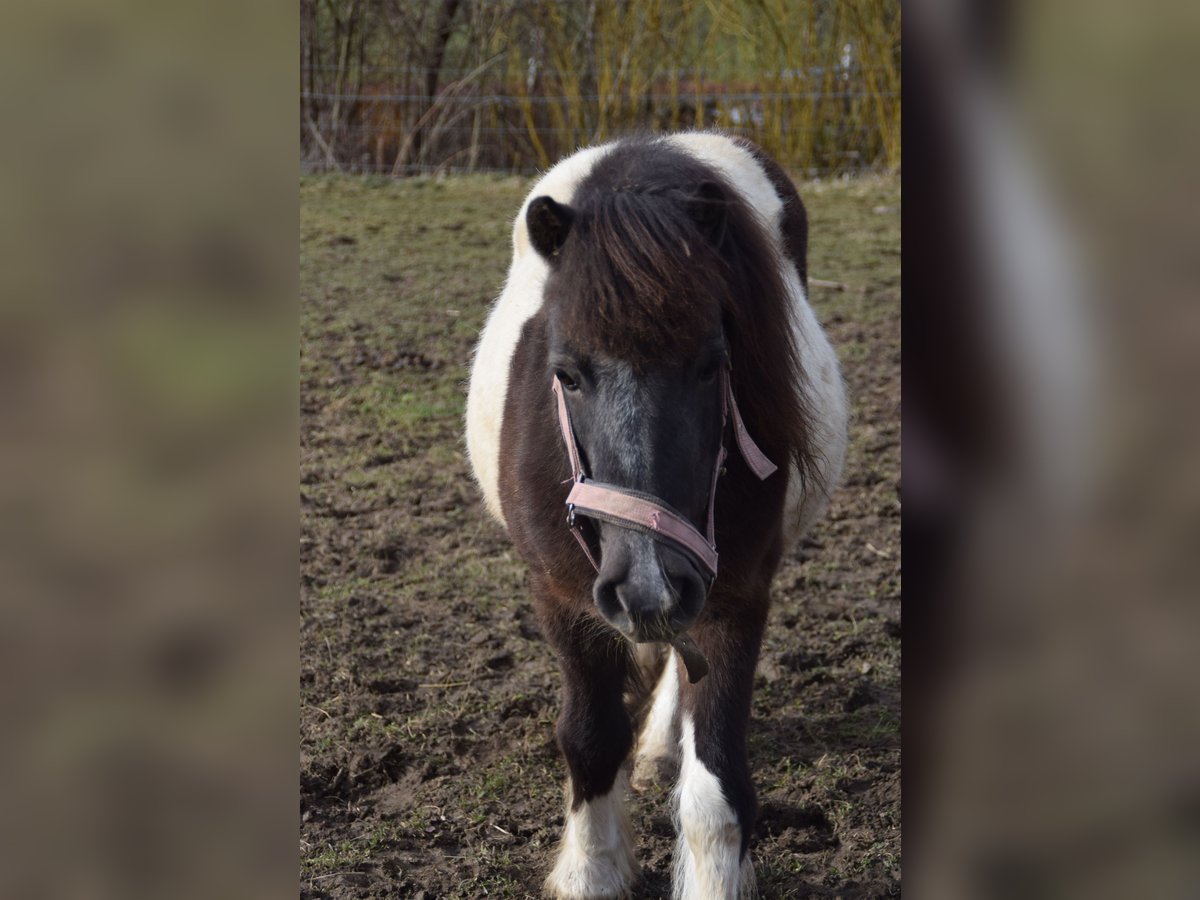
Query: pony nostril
{"type": "Point", "coordinates": [690, 592]}
{"type": "Point", "coordinates": [607, 599]}
{"type": "Point", "coordinates": [607, 595]}
{"type": "Point", "coordinates": [687, 586]}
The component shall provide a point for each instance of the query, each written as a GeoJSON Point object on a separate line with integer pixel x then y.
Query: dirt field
{"type": "Point", "coordinates": [428, 763]}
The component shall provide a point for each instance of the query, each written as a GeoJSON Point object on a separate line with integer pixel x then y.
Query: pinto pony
{"type": "Point", "coordinates": [656, 416]}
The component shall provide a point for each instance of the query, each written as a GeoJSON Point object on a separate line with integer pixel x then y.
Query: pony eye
{"type": "Point", "coordinates": [708, 373]}
{"type": "Point", "coordinates": [568, 383]}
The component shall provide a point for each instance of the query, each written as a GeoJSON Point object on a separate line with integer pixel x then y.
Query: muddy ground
{"type": "Point", "coordinates": [428, 764]}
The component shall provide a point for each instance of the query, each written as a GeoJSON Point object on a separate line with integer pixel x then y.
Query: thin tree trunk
{"type": "Point", "coordinates": [433, 69]}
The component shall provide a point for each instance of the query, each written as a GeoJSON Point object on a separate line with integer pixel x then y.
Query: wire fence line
{"type": "Point", "coordinates": [685, 74]}
{"type": "Point", "coordinates": [514, 100]}
{"type": "Point", "coordinates": [374, 132]}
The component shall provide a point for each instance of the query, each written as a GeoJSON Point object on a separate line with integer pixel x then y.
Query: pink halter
{"type": "Point", "coordinates": [642, 512]}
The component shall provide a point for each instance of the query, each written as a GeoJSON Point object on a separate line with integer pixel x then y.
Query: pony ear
{"type": "Point", "coordinates": [708, 206]}
{"type": "Point", "coordinates": [549, 223]}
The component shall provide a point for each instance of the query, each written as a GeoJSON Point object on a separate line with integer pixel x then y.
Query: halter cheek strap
{"type": "Point", "coordinates": [642, 512]}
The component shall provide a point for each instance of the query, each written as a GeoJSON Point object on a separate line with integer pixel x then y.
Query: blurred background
{"type": "Point", "coordinates": [401, 87]}
{"type": "Point", "coordinates": [1051, 448]}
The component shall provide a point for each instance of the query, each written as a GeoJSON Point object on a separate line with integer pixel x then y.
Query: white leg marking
{"type": "Point", "coordinates": [658, 743]}
{"type": "Point", "coordinates": [708, 860]}
{"type": "Point", "coordinates": [595, 858]}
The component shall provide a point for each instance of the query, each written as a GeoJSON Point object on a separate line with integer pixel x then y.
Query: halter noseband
{"type": "Point", "coordinates": [642, 512]}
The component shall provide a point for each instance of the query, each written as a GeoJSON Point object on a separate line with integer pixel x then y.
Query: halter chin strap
{"type": "Point", "coordinates": [642, 512]}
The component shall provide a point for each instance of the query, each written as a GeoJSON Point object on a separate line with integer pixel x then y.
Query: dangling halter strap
{"type": "Point", "coordinates": [643, 512]}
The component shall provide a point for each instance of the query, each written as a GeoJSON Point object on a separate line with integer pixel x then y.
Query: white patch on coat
{"type": "Point", "coordinates": [658, 741]}
{"type": "Point", "coordinates": [740, 170]}
{"type": "Point", "coordinates": [595, 857]}
{"type": "Point", "coordinates": [826, 391]}
{"type": "Point", "coordinates": [708, 851]}
{"type": "Point", "coordinates": [521, 298]}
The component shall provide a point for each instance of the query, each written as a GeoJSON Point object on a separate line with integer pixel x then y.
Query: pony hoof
{"type": "Point", "coordinates": [589, 879]}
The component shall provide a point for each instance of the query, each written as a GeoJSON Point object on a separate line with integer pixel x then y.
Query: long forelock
{"type": "Point", "coordinates": [641, 281]}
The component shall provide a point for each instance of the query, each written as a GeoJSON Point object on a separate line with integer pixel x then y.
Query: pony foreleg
{"type": "Point", "coordinates": [595, 857]}
{"type": "Point", "coordinates": [709, 861]}
{"type": "Point", "coordinates": [715, 796]}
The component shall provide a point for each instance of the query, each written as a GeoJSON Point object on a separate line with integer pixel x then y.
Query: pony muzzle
{"type": "Point", "coordinates": [645, 589]}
